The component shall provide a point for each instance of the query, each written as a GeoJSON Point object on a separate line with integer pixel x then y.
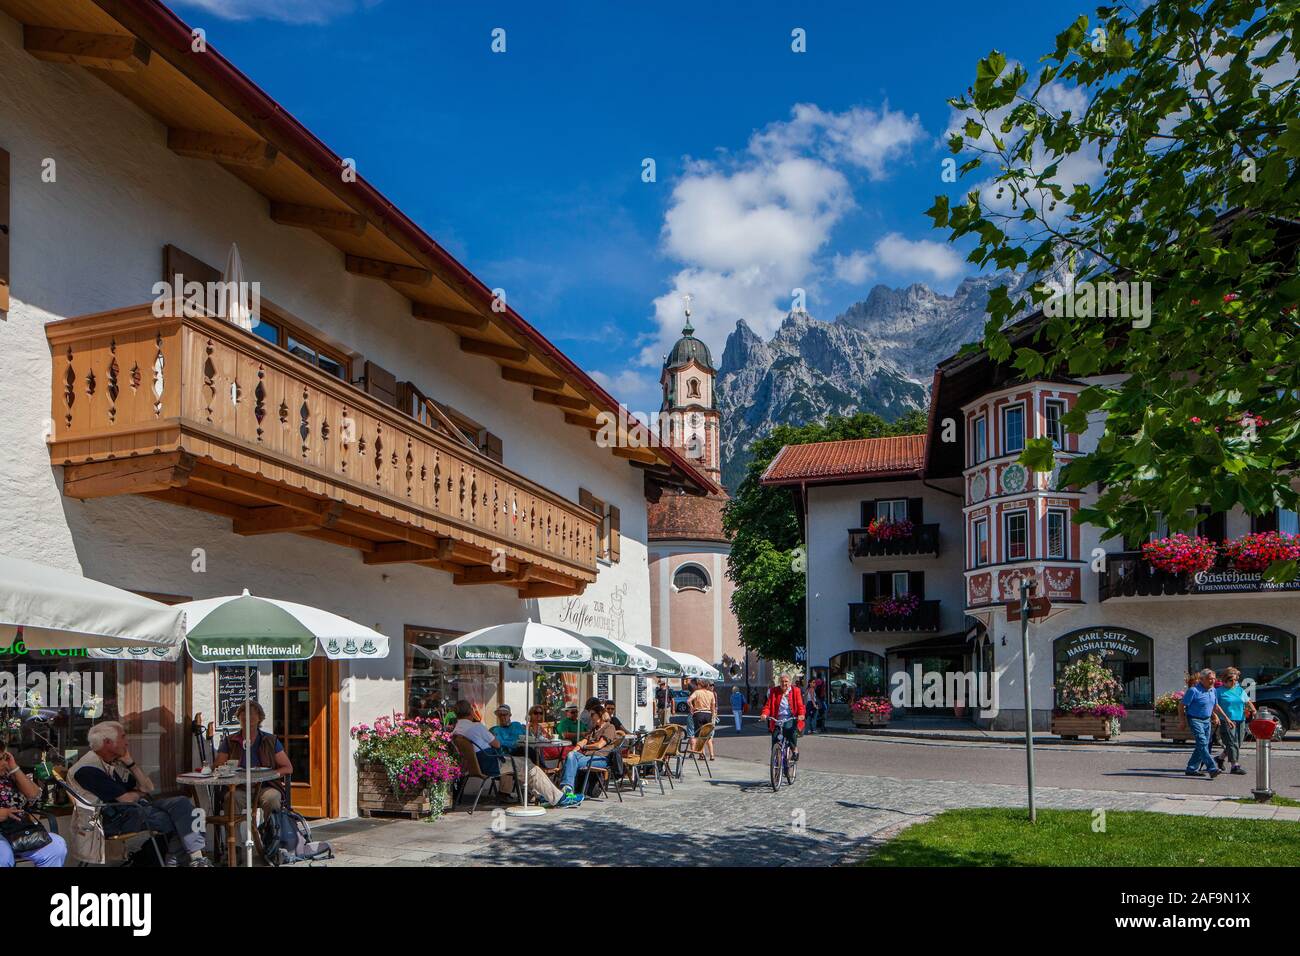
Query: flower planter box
{"type": "Point", "coordinates": [1069, 727]}
{"type": "Point", "coordinates": [864, 719]}
{"type": "Point", "coordinates": [1173, 727]}
{"type": "Point", "coordinates": [375, 795]}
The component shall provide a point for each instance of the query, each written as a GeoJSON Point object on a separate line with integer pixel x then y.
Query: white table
{"type": "Point", "coordinates": [231, 781]}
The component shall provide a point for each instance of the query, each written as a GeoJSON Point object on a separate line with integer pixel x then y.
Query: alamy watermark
{"type": "Point", "coordinates": [1101, 300]}
{"type": "Point", "coordinates": [968, 689]}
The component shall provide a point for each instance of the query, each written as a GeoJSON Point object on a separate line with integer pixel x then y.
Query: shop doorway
{"type": "Point", "coordinates": [306, 722]}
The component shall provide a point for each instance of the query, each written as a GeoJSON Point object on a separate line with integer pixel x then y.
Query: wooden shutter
{"type": "Point", "coordinates": [868, 512]}
{"type": "Point", "coordinates": [4, 231]}
{"type": "Point", "coordinates": [597, 507]}
{"type": "Point", "coordinates": [1213, 526]}
{"type": "Point", "coordinates": [382, 384]}
{"type": "Point", "coordinates": [870, 587]}
{"type": "Point", "coordinates": [1264, 522]}
{"type": "Point", "coordinates": [916, 583]}
{"type": "Point", "coordinates": [615, 534]}
{"type": "Point", "coordinates": [915, 510]}
{"type": "Point", "coordinates": [178, 262]}
{"type": "Point", "coordinates": [491, 445]}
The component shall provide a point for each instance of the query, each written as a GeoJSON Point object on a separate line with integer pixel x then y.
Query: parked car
{"type": "Point", "coordinates": [1279, 699]}
{"type": "Point", "coordinates": [680, 697]}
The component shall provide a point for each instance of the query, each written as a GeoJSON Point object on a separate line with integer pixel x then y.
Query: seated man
{"type": "Point", "coordinates": [508, 732]}
{"type": "Point", "coordinates": [612, 718]}
{"type": "Point", "coordinates": [493, 760]}
{"type": "Point", "coordinates": [568, 726]}
{"type": "Point", "coordinates": [266, 752]}
{"type": "Point", "coordinates": [108, 773]}
{"type": "Point", "coordinates": [594, 749]}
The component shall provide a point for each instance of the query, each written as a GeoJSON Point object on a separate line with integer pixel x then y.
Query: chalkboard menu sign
{"type": "Point", "coordinates": [602, 687]}
{"type": "Point", "coordinates": [232, 690]}
{"type": "Point", "coordinates": [641, 698]}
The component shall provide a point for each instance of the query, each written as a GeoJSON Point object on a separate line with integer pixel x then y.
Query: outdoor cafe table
{"type": "Point", "coordinates": [231, 782]}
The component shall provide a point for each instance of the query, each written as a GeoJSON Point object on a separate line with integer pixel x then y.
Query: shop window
{"type": "Point", "coordinates": [1126, 654]}
{"type": "Point", "coordinates": [855, 674]}
{"type": "Point", "coordinates": [1013, 429]}
{"type": "Point", "coordinates": [1259, 651]}
{"type": "Point", "coordinates": [691, 576]}
{"type": "Point", "coordinates": [433, 685]}
{"type": "Point", "coordinates": [66, 693]}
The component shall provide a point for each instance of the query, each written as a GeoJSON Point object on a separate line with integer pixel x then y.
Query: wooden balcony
{"type": "Point", "coordinates": [922, 542]}
{"type": "Point", "coordinates": [863, 618]}
{"type": "Point", "coordinates": [204, 414]}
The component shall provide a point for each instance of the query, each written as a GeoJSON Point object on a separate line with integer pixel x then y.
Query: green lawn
{"type": "Point", "coordinates": [1275, 801]}
{"type": "Point", "coordinates": [1001, 837]}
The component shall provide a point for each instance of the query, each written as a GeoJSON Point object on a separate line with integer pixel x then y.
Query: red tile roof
{"type": "Point", "coordinates": [900, 456]}
{"type": "Point", "coordinates": [686, 517]}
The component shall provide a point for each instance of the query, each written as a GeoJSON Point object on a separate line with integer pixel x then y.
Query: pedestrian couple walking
{"type": "Point", "coordinates": [1208, 708]}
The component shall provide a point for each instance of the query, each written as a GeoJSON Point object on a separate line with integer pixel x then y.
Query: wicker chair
{"type": "Point", "coordinates": [695, 750]}
{"type": "Point", "coordinates": [648, 760]}
{"type": "Point", "coordinates": [676, 733]}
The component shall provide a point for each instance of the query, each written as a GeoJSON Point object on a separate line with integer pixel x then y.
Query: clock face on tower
{"type": "Point", "coordinates": [696, 419]}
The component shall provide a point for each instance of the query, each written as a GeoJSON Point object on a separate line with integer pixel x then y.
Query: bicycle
{"type": "Point", "coordinates": [782, 762]}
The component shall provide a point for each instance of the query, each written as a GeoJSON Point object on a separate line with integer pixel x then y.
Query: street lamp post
{"type": "Point", "coordinates": [1027, 586]}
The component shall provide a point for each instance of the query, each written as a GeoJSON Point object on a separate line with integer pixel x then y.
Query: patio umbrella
{"type": "Point", "coordinates": [530, 646]}
{"type": "Point", "coordinates": [244, 629]}
{"type": "Point", "coordinates": [238, 310]}
{"type": "Point", "coordinates": [680, 664]}
{"type": "Point", "coordinates": [62, 610]}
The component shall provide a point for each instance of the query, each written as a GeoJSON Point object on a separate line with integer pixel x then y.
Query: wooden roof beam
{"type": "Point", "coordinates": [451, 317]}
{"type": "Point", "coordinates": [98, 51]}
{"type": "Point", "coordinates": [387, 271]}
{"type": "Point", "coordinates": [229, 150]}
{"type": "Point", "coordinates": [548, 382]}
{"type": "Point", "coordinates": [485, 575]}
{"type": "Point", "coordinates": [582, 421]}
{"type": "Point", "coordinates": [279, 519]}
{"type": "Point", "coordinates": [312, 217]}
{"type": "Point", "coordinates": [403, 552]}
{"type": "Point", "coordinates": [507, 353]}
{"type": "Point", "coordinates": [563, 401]}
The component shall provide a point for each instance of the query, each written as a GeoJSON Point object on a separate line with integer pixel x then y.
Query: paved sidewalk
{"type": "Point", "coordinates": [732, 820]}
{"type": "Point", "coordinates": [965, 732]}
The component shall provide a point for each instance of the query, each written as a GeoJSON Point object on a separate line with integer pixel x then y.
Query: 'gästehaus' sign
{"type": "Point", "coordinates": [1230, 581]}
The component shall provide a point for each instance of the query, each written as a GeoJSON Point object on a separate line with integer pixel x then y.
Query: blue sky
{"type": "Point", "coordinates": [774, 170]}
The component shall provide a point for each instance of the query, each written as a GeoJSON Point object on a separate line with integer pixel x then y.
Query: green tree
{"type": "Point", "coordinates": [765, 539]}
{"type": "Point", "coordinates": [1186, 115]}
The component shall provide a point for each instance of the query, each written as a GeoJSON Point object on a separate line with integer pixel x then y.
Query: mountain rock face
{"type": "Point", "coordinates": [878, 356]}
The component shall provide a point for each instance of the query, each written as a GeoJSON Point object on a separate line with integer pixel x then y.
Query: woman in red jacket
{"type": "Point", "coordinates": [784, 710]}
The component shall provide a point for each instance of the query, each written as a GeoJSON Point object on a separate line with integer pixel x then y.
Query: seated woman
{"type": "Point", "coordinates": [17, 792]}
{"type": "Point", "coordinates": [265, 752]}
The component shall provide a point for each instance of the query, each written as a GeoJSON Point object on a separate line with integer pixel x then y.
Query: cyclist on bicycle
{"type": "Point", "coordinates": [784, 710]}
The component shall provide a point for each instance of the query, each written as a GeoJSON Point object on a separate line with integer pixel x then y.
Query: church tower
{"type": "Point", "coordinates": [690, 405]}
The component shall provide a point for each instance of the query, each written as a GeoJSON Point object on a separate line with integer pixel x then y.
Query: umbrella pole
{"type": "Point", "coordinates": [248, 775]}
{"type": "Point", "coordinates": [525, 810]}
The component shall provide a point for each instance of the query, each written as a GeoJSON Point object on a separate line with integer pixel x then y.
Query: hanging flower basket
{"type": "Point", "coordinates": [903, 605]}
{"type": "Point", "coordinates": [1255, 552]}
{"type": "Point", "coordinates": [1181, 554]}
{"type": "Point", "coordinates": [886, 529]}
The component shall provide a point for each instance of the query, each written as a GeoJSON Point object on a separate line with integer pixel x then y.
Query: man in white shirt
{"type": "Point", "coordinates": [493, 760]}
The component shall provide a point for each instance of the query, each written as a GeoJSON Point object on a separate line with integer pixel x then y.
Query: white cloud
{"type": "Point", "coordinates": [858, 137]}
{"type": "Point", "coordinates": [639, 391]}
{"type": "Point", "coordinates": [752, 228]}
{"type": "Point", "coordinates": [855, 268]}
{"type": "Point", "coordinates": [286, 11]}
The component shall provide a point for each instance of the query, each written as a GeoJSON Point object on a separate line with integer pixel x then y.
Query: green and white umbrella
{"type": "Point", "coordinates": [243, 629]}
{"type": "Point", "coordinates": [679, 664]}
{"type": "Point", "coordinates": [547, 649]}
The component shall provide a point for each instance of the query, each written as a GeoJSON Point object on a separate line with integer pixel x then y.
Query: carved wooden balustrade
{"type": "Point", "coordinates": [202, 413]}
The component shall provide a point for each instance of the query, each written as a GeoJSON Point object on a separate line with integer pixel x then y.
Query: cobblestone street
{"type": "Point", "coordinates": [732, 820]}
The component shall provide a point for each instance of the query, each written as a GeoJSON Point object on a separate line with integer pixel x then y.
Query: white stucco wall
{"type": "Point", "coordinates": [92, 240]}
{"type": "Point", "coordinates": [835, 580]}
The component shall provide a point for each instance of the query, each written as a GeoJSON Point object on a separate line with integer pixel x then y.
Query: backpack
{"type": "Point", "coordinates": [286, 839]}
